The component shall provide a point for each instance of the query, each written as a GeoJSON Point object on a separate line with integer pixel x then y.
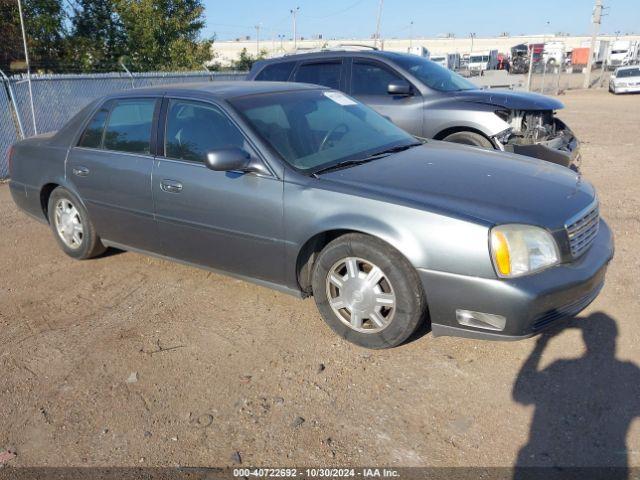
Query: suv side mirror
{"type": "Point", "coordinates": [233, 159]}
{"type": "Point", "coordinates": [399, 87]}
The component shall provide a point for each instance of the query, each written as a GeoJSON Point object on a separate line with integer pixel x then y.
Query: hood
{"type": "Point", "coordinates": [466, 182]}
{"type": "Point", "coordinates": [509, 99]}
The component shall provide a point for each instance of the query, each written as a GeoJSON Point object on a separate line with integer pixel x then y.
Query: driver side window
{"type": "Point", "coordinates": [194, 129]}
{"type": "Point", "coordinates": [369, 78]}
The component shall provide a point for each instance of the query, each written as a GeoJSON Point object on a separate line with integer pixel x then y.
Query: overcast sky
{"type": "Point", "coordinates": [357, 18]}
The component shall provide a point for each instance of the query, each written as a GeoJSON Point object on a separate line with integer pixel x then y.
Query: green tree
{"type": "Point", "coordinates": [44, 24]}
{"type": "Point", "coordinates": [10, 39]}
{"type": "Point", "coordinates": [97, 39]}
{"type": "Point", "coordinates": [163, 34]}
{"type": "Point", "coordinates": [246, 60]}
{"type": "Point", "coordinates": [45, 27]}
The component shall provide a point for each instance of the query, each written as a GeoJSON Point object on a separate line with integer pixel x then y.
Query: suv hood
{"type": "Point", "coordinates": [467, 182]}
{"type": "Point", "coordinates": [510, 100]}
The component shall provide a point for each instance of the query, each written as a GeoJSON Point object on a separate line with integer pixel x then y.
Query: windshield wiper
{"type": "Point", "coordinates": [374, 156]}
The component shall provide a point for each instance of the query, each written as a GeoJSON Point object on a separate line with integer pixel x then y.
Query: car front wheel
{"type": "Point", "coordinates": [368, 292]}
{"type": "Point", "coordinates": [72, 226]}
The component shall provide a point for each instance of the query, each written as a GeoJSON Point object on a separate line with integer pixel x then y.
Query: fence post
{"type": "Point", "coordinates": [130, 74]}
{"type": "Point", "coordinates": [14, 103]}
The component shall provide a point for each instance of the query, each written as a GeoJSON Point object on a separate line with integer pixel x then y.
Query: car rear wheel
{"type": "Point", "coordinates": [72, 226]}
{"type": "Point", "coordinates": [367, 292]}
{"type": "Point", "coordinates": [469, 138]}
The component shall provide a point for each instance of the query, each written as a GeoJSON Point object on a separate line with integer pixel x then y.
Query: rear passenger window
{"type": "Point", "coordinates": [278, 72]}
{"type": "Point", "coordinates": [129, 126]}
{"type": "Point", "coordinates": [326, 74]}
{"type": "Point", "coordinates": [92, 136]}
{"type": "Point", "coordinates": [194, 129]}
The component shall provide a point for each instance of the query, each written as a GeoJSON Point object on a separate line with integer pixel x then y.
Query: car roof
{"type": "Point", "coordinates": [219, 90]}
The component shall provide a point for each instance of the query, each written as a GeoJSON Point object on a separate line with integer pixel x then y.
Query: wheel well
{"type": "Point", "coordinates": [45, 193]}
{"type": "Point", "coordinates": [309, 252]}
{"type": "Point", "coordinates": [449, 131]}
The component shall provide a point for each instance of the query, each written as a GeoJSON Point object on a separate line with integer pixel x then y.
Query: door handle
{"type": "Point", "coordinates": [81, 171]}
{"type": "Point", "coordinates": [171, 186]}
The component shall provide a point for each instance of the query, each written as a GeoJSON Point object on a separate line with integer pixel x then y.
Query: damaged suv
{"type": "Point", "coordinates": [430, 101]}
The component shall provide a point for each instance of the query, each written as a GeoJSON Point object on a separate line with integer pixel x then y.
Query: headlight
{"type": "Point", "coordinates": [518, 250]}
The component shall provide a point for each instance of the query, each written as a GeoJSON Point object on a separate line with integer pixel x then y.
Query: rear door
{"type": "Point", "coordinates": [328, 72]}
{"type": "Point", "coordinates": [110, 167]}
{"type": "Point", "coordinates": [369, 81]}
{"type": "Point", "coordinates": [230, 221]}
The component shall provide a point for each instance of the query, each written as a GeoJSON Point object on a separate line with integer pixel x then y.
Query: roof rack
{"type": "Point", "coordinates": [342, 47]}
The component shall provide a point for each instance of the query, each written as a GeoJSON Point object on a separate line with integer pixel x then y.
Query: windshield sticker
{"type": "Point", "coordinates": [339, 98]}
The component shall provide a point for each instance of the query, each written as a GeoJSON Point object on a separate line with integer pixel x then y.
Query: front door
{"type": "Point", "coordinates": [230, 221]}
{"type": "Point", "coordinates": [111, 167]}
{"type": "Point", "coordinates": [369, 84]}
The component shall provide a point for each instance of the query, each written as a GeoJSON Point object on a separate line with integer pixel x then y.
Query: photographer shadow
{"type": "Point", "coordinates": [583, 407]}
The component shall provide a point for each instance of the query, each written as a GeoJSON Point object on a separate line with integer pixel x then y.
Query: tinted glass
{"type": "Point", "coordinates": [278, 72]}
{"type": "Point", "coordinates": [371, 79]}
{"type": "Point", "coordinates": [129, 126]}
{"type": "Point", "coordinates": [92, 136]}
{"type": "Point", "coordinates": [195, 129]}
{"type": "Point", "coordinates": [628, 72]}
{"type": "Point", "coordinates": [433, 75]}
{"type": "Point", "coordinates": [314, 129]}
{"type": "Point", "coordinates": [326, 74]}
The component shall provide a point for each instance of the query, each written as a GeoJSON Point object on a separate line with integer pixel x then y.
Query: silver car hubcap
{"type": "Point", "coordinates": [68, 223]}
{"type": "Point", "coordinates": [360, 295]}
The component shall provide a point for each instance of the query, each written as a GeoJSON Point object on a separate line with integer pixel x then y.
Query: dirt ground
{"type": "Point", "coordinates": [131, 361]}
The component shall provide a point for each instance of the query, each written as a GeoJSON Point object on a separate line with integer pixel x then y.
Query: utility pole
{"type": "Point", "coordinates": [531, 48]}
{"type": "Point", "coordinates": [294, 13]}
{"type": "Point", "coordinates": [472, 36]}
{"type": "Point", "coordinates": [257, 27]}
{"type": "Point", "coordinates": [26, 59]}
{"type": "Point", "coordinates": [377, 39]}
{"type": "Point", "coordinates": [411, 34]}
{"type": "Point", "coordinates": [596, 19]}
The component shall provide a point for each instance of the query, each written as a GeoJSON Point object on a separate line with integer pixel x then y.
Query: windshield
{"type": "Point", "coordinates": [479, 58]}
{"type": "Point", "coordinates": [616, 52]}
{"type": "Point", "coordinates": [628, 72]}
{"type": "Point", "coordinates": [314, 129]}
{"type": "Point", "coordinates": [433, 75]}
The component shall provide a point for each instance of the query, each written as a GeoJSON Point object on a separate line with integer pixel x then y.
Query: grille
{"type": "Point", "coordinates": [582, 229]}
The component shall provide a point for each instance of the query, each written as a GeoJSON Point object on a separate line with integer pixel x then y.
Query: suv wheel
{"type": "Point", "coordinates": [367, 292]}
{"type": "Point", "coordinates": [469, 138]}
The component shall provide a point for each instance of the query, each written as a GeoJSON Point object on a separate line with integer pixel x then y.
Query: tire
{"type": "Point", "coordinates": [398, 286]}
{"type": "Point", "coordinates": [66, 211]}
{"type": "Point", "coordinates": [469, 138]}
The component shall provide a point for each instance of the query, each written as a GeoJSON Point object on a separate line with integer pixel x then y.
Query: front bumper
{"type": "Point", "coordinates": [626, 89]}
{"type": "Point", "coordinates": [530, 304]}
{"type": "Point", "coordinates": [563, 150]}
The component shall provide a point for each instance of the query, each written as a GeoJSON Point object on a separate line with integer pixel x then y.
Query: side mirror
{"type": "Point", "coordinates": [399, 87]}
{"type": "Point", "coordinates": [233, 159]}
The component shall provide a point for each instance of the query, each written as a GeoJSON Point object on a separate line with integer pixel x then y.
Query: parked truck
{"type": "Point", "coordinates": [600, 53]}
{"type": "Point", "coordinates": [483, 60]}
{"type": "Point", "coordinates": [420, 51]}
{"type": "Point", "coordinates": [622, 53]}
{"type": "Point", "coordinates": [440, 60]}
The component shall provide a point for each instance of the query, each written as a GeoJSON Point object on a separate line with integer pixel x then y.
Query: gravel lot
{"type": "Point", "coordinates": [132, 361]}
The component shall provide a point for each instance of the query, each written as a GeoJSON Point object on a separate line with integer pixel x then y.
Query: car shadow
{"type": "Point", "coordinates": [583, 407]}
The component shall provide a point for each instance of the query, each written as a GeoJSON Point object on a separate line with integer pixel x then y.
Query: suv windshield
{"type": "Point", "coordinates": [433, 75]}
{"type": "Point", "coordinates": [315, 129]}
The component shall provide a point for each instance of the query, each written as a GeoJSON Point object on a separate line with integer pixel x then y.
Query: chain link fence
{"type": "Point", "coordinates": [8, 131]}
{"type": "Point", "coordinates": [56, 98]}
